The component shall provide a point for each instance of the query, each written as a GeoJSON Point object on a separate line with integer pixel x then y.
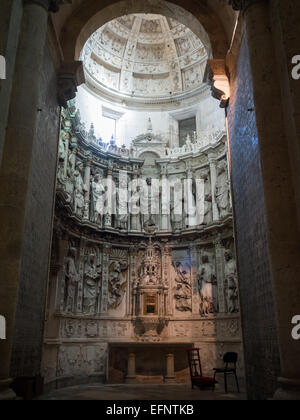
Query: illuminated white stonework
{"type": "Point", "coordinates": [144, 56]}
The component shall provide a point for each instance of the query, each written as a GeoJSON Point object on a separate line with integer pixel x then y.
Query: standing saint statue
{"type": "Point", "coordinates": [71, 280]}
{"type": "Point", "coordinates": [207, 285]}
{"type": "Point", "coordinates": [79, 190]}
{"type": "Point", "coordinates": [97, 202]}
{"type": "Point", "coordinates": [92, 288]}
{"type": "Point", "coordinates": [231, 283]}
{"type": "Point", "coordinates": [222, 191]}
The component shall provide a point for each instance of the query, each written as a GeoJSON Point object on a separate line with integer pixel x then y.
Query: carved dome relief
{"type": "Point", "coordinates": [144, 56]}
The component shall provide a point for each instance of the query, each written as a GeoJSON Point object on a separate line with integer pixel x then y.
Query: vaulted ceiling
{"type": "Point", "coordinates": [144, 55]}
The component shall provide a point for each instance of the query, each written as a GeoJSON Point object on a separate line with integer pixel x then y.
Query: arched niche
{"type": "Point", "coordinates": [202, 19]}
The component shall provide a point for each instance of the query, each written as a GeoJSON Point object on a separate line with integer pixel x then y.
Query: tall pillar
{"type": "Point", "coordinates": [219, 250]}
{"type": "Point", "coordinates": [105, 279]}
{"type": "Point", "coordinates": [279, 192]}
{"type": "Point", "coordinates": [87, 183]}
{"type": "Point", "coordinates": [108, 211]}
{"type": "Point", "coordinates": [194, 271]}
{"type": "Point", "coordinates": [131, 374]}
{"type": "Point", "coordinates": [213, 180]}
{"type": "Point", "coordinates": [16, 163]}
{"type": "Point", "coordinates": [165, 200]}
{"type": "Point", "coordinates": [170, 376]}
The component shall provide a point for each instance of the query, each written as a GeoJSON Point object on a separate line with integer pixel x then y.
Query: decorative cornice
{"type": "Point", "coordinates": [70, 76]}
{"type": "Point", "coordinates": [242, 5]}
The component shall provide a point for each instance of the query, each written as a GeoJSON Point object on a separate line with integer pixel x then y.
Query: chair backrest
{"type": "Point", "coordinates": [230, 358]}
{"type": "Point", "coordinates": [194, 362]}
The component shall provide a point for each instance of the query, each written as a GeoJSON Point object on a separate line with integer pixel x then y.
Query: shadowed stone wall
{"type": "Point", "coordinates": [258, 315]}
{"type": "Point", "coordinates": [28, 335]}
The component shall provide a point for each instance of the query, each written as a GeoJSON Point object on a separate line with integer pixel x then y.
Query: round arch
{"type": "Point", "coordinates": [92, 14]}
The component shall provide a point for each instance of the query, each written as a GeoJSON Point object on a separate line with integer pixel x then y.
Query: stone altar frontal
{"type": "Point", "coordinates": [162, 280]}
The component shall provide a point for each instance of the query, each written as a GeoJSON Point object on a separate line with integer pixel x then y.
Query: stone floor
{"type": "Point", "coordinates": [140, 392]}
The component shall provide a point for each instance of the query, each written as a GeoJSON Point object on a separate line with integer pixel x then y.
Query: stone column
{"type": "Point", "coordinates": [194, 283]}
{"type": "Point", "coordinates": [131, 374]}
{"type": "Point", "coordinates": [219, 250]}
{"type": "Point", "coordinates": [108, 213]}
{"type": "Point", "coordinates": [279, 192]}
{"type": "Point", "coordinates": [165, 200]}
{"type": "Point", "coordinates": [170, 376]}
{"type": "Point", "coordinates": [67, 128]}
{"type": "Point", "coordinates": [79, 297]}
{"type": "Point", "coordinates": [16, 163]}
{"type": "Point", "coordinates": [105, 278]}
{"type": "Point", "coordinates": [213, 180]}
{"type": "Point", "coordinates": [87, 182]}
{"type": "Point", "coordinates": [166, 264]}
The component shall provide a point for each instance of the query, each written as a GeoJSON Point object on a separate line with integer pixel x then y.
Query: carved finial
{"type": "Point", "coordinates": [150, 126]}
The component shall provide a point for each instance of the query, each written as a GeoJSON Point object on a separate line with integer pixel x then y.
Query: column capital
{"type": "Point", "coordinates": [70, 75]}
{"type": "Point", "coordinates": [242, 5]}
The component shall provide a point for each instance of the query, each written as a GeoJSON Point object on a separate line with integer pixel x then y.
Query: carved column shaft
{"type": "Point", "coordinates": [213, 179]}
{"type": "Point", "coordinates": [105, 279]}
{"type": "Point", "coordinates": [219, 250]}
{"type": "Point", "coordinates": [87, 183]}
{"type": "Point", "coordinates": [194, 285]}
{"type": "Point", "coordinates": [80, 285]}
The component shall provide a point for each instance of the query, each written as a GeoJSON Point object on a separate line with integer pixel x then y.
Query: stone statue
{"type": "Point", "coordinates": [207, 202]}
{"type": "Point", "coordinates": [69, 181]}
{"type": "Point", "coordinates": [231, 283]}
{"type": "Point", "coordinates": [117, 284]}
{"type": "Point", "coordinates": [79, 190]}
{"type": "Point", "coordinates": [207, 285]}
{"type": "Point", "coordinates": [92, 287]}
{"type": "Point", "coordinates": [183, 295]}
{"type": "Point", "coordinates": [97, 202]}
{"type": "Point", "coordinates": [61, 180]}
{"type": "Point", "coordinates": [62, 150]}
{"type": "Point", "coordinates": [122, 205]}
{"type": "Point", "coordinates": [222, 191]}
{"type": "Point", "coordinates": [71, 280]}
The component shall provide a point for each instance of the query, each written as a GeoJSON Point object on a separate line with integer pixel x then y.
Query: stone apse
{"type": "Point", "coordinates": [129, 293]}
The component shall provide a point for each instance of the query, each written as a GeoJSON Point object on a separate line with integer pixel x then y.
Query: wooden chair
{"type": "Point", "coordinates": [197, 377]}
{"type": "Point", "coordinates": [230, 362]}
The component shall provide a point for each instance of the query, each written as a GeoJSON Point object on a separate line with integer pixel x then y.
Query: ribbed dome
{"type": "Point", "coordinates": [144, 56]}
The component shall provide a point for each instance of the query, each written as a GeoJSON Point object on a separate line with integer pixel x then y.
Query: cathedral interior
{"type": "Point", "coordinates": [149, 196]}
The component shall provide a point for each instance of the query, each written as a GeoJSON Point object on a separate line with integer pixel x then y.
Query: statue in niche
{"type": "Point", "coordinates": [188, 144]}
{"type": "Point", "coordinates": [97, 202]}
{"type": "Point", "coordinates": [69, 181]}
{"type": "Point", "coordinates": [79, 190]}
{"type": "Point", "coordinates": [61, 180]}
{"type": "Point", "coordinates": [231, 283]}
{"type": "Point", "coordinates": [207, 286]}
{"type": "Point", "coordinates": [92, 286]}
{"type": "Point", "coordinates": [117, 284]}
{"type": "Point", "coordinates": [62, 151]}
{"type": "Point", "coordinates": [222, 191]}
{"type": "Point", "coordinates": [122, 205]}
{"type": "Point", "coordinates": [207, 201]}
{"type": "Point", "coordinates": [183, 294]}
{"type": "Point", "coordinates": [71, 280]}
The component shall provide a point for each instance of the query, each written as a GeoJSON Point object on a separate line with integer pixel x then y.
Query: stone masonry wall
{"type": "Point", "coordinates": [28, 336]}
{"type": "Point", "coordinates": [258, 317]}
